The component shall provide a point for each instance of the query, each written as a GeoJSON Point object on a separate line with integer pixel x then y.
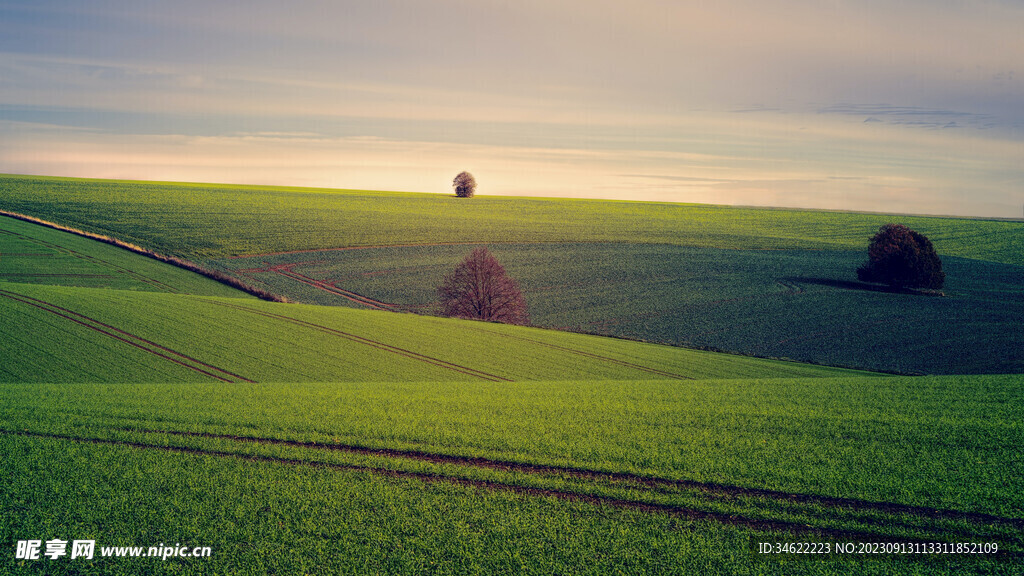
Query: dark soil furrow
{"type": "Point", "coordinates": [129, 338]}
{"type": "Point", "coordinates": [759, 524]}
{"type": "Point", "coordinates": [373, 343]}
{"type": "Point", "coordinates": [511, 466]}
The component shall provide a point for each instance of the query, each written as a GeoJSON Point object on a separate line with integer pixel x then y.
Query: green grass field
{"type": "Point", "coordinates": [167, 337]}
{"type": "Point", "coordinates": [580, 477]}
{"type": "Point", "coordinates": [141, 405]}
{"type": "Point", "coordinates": [34, 254]}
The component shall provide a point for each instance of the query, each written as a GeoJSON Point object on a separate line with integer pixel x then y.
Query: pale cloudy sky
{"type": "Point", "coordinates": [897, 105]}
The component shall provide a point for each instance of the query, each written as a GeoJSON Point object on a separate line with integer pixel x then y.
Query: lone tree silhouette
{"type": "Point", "coordinates": [902, 258]}
{"type": "Point", "coordinates": [465, 185]}
{"type": "Point", "coordinates": [480, 289]}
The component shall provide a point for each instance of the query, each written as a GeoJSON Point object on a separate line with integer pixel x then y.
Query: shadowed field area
{"type": "Point", "coordinates": [799, 304]}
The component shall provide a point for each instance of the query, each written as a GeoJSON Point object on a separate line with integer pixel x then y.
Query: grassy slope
{"type": "Point", "coordinates": [262, 518]}
{"type": "Point", "coordinates": [268, 342]}
{"type": "Point", "coordinates": [73, 334]}
{"type": "Point", "coordinates": [30, 253]}
{"type": "Point", "coordinates": [891, 440]}
{"type": "Point", "coordinates": [202, 221]}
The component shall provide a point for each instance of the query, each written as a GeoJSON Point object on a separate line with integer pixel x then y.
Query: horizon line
{"type": "Point", "coordinates": [512, 196]}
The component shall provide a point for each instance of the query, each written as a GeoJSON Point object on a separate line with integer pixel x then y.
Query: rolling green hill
{"type": "Point", "coordinates": [133, 323]}
{"type": "Point", "coordinates": [891, 440]}
{"type": "Point", "coordinates": [84, 334]}
{"type": "Point", "coordinates": [769, 283]}
{"type": "Point", "coordinates": [207, 221]}
{"type": "Point", "coordinates": [34, 254]}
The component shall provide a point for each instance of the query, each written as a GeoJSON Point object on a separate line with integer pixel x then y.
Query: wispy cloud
{"type": "Point", "coordinates": [915, 116]}
{"type": "Point", "coordinates": [865, 105]}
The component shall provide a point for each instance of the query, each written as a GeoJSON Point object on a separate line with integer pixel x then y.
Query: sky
{"type": "Point", "coordinates": [910, 106]}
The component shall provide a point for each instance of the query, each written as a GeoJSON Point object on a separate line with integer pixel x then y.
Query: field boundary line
{"type": "Point", "coordinates": [129, 338]}
{"type": "Point", "coordinates": [215, 275]}
{"type": "Point", "coordinates": [759, 524]}
{"type": "Point", "coordinates": [368, 342]}
{"type": "Point", "coordinates": [512, 466]}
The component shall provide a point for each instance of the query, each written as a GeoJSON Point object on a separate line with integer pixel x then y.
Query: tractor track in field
{"type": "Point", "coordinates": [592, 355]}
{"type": "Point", "coordinates": [357, 298]}
{"type": "Point", "coordinates": [128, 338]}
{"type": "Point", "coordinates": [94, 260]}
{"type": "Point", "coordinates": [288, 271]}
{"type": "Point", "coordinates": [760, 524]}
{"type": "Point", "coordinates": [586, 473]}
{"type": "Point", "coordinates": [369, 342]}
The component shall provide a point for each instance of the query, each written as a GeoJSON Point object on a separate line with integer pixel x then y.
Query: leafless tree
{"type": "Point", "coordinates": [480, 289]}
{"type": "Point", "coordinates": [465, 185]}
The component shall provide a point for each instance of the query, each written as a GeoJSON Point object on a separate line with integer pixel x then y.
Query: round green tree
{"type": "Point", "coordinates": [465, 185]}
{"type": "Point", "coordinates": [902, 258]}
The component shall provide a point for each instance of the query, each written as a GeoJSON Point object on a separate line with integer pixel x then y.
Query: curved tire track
{"type": "Point", "coordinates": [357, 298]}
{"type": "Point", "coordinates": [760, 524]}
{"type": "Point", "coordinates": [288, 271]}
{"type": "Point", "coordinates": [585, 473]}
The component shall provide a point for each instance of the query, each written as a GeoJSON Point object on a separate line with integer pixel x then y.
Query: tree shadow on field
{"type": "Point", "coordinates": [863, 286]}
